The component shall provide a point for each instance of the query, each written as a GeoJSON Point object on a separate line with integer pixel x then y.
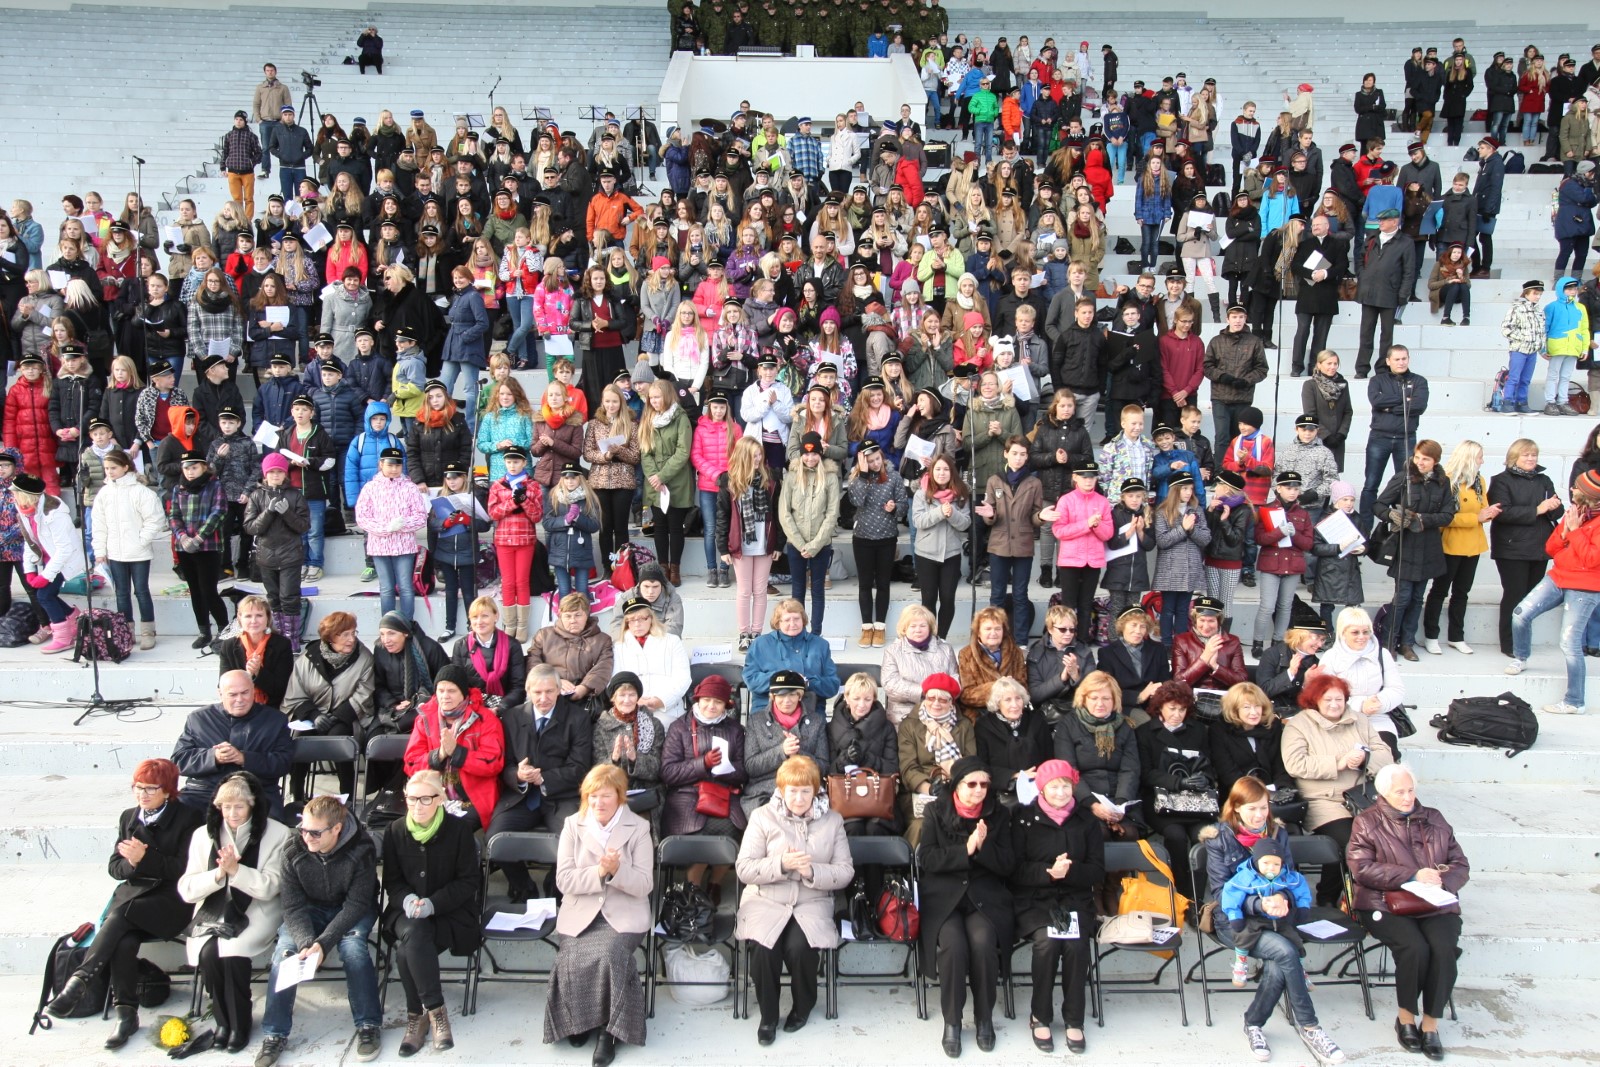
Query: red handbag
{"type": "Point", "coordinates": [1406, 904]}
{"type": "Point", "coordinates": [712, 799]}
{"type": "Point", "coordinates": [622, 576]}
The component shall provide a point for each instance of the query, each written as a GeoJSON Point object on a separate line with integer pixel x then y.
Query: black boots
{"type": "Point", "coordinates": [127, 1025]}
{"type": "Point", "coordinates": [1216, 307]}
{"type": "Point", "coordinates": [66, 1000]}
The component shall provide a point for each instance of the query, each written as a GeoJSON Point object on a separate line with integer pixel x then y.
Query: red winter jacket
{"type": "Point", "coordinates": [27, 429]}
{"type": "Point", "coordinates": [1275, 560]}
{"type": "Point", "coordinates": [515, 525]}
{"type": "Point", "coordinates": [909, 179]}
{"type": "Point", "coordinates": [1576, 553]}
{"type": "Point", "coordinates": [1189, 667]}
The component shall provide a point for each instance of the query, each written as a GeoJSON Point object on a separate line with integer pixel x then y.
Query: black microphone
{"type": "Point", "coordinates": [139, 161]}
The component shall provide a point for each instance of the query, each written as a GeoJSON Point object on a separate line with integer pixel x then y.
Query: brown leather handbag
{"type": "Point", "coordinates": [866, 794]}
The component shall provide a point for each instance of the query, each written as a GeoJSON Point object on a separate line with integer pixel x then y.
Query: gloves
{"type": "Point", "coordinates": [36, 581]}
{"type": "Point", "coordinates": [1414, 522]}
{"type": "Point", "coordinates": [572, 514]}
{"type": "Point", "coordinates": [280, 505]}
{"type": "Point", "coordinates": [409, 901]}
{"type": "Point", "coordinates": [458, 518]}
{"type": "Point", "coordinates": [520, 493]}
{"type": "Point", "coordinates": [1176, 776]}
{"type": "Point", "coordinates": [423, 908]}
{"type": "Point", "coordinates": [396, 525]}
{"type": "Point", "coordinates": [1197, 782]}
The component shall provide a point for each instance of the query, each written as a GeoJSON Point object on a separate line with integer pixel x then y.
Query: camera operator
{"type": "Point", "coordinates": [371, 46]}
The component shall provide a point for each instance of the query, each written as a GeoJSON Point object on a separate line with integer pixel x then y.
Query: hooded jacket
{"type": "Point", "coordinates": [346, 878]}
{"type": "Point", "coordinates": [361, 458]}
{"type": "Point", "coordinates": [128, 520]}
{"type": "Point", "coordinates": [1566, 322]}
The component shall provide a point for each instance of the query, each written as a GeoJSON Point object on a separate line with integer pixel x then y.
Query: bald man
{"type": "Point", "coordinates": [231, 735]}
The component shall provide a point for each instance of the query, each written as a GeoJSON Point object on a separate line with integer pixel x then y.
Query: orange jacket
{"type": "Point", "coordinates": [1011, 118]}
{"type": "Point", "coordinates": [1576, 556]}
{"type": "Point", "coordinates": [610, 213]}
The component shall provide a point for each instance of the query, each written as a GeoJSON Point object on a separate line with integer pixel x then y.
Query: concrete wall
{"type": "Point", "coordinates": [711, 86]}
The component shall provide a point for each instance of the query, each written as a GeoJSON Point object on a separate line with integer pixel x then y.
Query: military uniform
{"type": "Point", "coordinates": [714, 19]}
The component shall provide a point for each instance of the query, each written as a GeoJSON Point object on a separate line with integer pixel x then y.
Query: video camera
{"type": "Point", "coordinates": [310, 79]}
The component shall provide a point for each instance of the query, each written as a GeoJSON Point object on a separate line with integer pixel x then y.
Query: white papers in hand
{"type": "Point", "coordinates": [1202, 220]}
{"type": "Point", "coordinates": [1021, 379]}
{"type": "Point", "coordinates": [266, 435]}
{"type": "Point", "coordinates": [279, 315]}
{"type": "Point", "coordinates": [1027, 789]}
{"type": "Point", "coordinates": [469, 503]}
{"type": "Point", "coordinates": [301, 724]}
{"type": "Point", "coordinates": [59, 279]}
{"type": "Point", "coordinates": [666, 499]}
{"type": "Point", "coordinates": [606, 444]}
{"type": "Point", "coordinates": [7, 256]}
{"type": "Point", "coordinates": [1436, 895]}
{"type": "Point", "coordinates": [918, 448]}
{"type": "Point", "coordinates": [294, 970]}
{"type": "Point", "coordinates": [219, 346]}
{"type": "Point", "coordinates": [726, 765]}
{"type": "Point", "coordinates": [1321, 928]}
{"type": "Point", "coordinates": [1316, 261]}
{"type": "Point", "coordinates": [1112, 806]}
{"type": "Point", "coordinates": [317, 237]}
{"type": "Point", "coordinates": [1337, 529]}
{"type": "Point", "coordinates": [1126, 550]}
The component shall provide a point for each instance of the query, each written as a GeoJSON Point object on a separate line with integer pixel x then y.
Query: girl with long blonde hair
{"type": "Point", "coordinates": [746, 528]}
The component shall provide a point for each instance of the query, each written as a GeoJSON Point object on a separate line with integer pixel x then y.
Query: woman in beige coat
{"type": "Point", "coordinates": [604, 873]}
{"type": "Point", "coordinates": [1328, 748]}
{"type": "Point", "coordinates": [792, 860]}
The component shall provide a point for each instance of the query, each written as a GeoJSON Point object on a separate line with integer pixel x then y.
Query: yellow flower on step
{"type": "Point", "coordinates": [174, 1032]}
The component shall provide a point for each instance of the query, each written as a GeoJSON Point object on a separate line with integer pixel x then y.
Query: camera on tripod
{"type": "Point", "coordinates": [310, 79]}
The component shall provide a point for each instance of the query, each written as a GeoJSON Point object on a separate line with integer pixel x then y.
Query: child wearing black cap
{"type": "Point", "coordinates": [1265, 876]}
{"type": "Point", "coordinates": [236, 459]}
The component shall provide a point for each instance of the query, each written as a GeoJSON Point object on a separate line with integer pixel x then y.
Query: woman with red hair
{"type": "Point", "coordinates": [152, 850]}
{"type": "Point", "coordinates": [1329, 748]}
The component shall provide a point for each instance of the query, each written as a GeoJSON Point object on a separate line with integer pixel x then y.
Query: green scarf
{"type": "Point", "coordinates": [422, 833]}
{"type": "Point", "coordinates": [1104, 731]}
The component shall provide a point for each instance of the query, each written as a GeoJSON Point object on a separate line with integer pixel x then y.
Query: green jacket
{"type": "Point", "coordinates": [984, 106]}
{"type": "Point", "coordinates": [990, 458]}
{"type": "Point", "coordinates": [808, 506]}
{"type": "Point", "coordinates": [668, 459]}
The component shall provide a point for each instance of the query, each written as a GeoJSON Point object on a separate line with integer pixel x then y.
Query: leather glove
{"type": "Point", "coordinates": [36, 581]}
{"type": "Point", "coordinates": [1176, 777]}
{"type": "Point", "coordinates": [1197, 782]}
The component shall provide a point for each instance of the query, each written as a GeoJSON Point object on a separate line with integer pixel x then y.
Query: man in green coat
{"type": "Point", "coordinates": [713, 24]}
{"type": "Point", "coordinates": [984, 107]}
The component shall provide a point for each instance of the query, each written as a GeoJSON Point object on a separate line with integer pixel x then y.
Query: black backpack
{"type": "Point", "coordinates": [66, 955]}
{"type": "Point", "coordinates": [17, 625]}
{"type": "Point", "coordinates": [1506, 721]}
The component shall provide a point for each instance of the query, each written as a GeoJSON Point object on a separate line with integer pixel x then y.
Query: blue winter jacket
{"type": "Point", "coordinates": [468, 323]}
{"type": "Point", "coordinates": [1150, 210]}
{"type": "Point", "coordinates": [1224, 854]}
{"type": "Point", "coordinates": [877, 46]}
{"type": "Point", "coordinates": [971, 82]}
{"type": "Point", "coordinates": [340, 411]}
{"type": "Point", "coordinates": [1249, 885]}
{"type": "Point", "coordinates": [361, 458]}
{"type": "Point", "coordinates": [370, 374]}
{"type": "Point", "coordinates": [1575, 202]}
{"type": "Point", "coordinates": [571, 544]}
{"type": "Point", "coordinates": [776, 651]}
{"type": "Point", "coordinates": [273, 398]}
{"type": "Point", "coordinates": [1162, 471]}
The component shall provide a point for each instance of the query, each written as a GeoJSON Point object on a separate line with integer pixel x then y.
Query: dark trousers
{"type": "Point", "coordinates": [1459, 572]}
{"type": "Point", "coordinates": [1485, 248]}
{"type": "Point", "coordinates": [1263, 310]}
{"type": "Point", "coordinates": [1174, 614]}
{"type": "Point", "coordinates": [203, 570]}
{"type": "Point", "coordinates": [1077, 591]}
{"type": "Point", "coordinates": [1177, 835]}
{"type": "Point", "coordinates": [374, 61]}
{"type": "Point", "coordinates": [1517, 579]}
{"type": "Point", "coordinates": [669, 534]}
{"type": "Point", "coordinates": [1071, 958]}
{"type": "Point", "coordinates": [1225, 420]}
{"type": "Point", "coordinates": [793, 951]}
{"type": "Point", "coordinates": [282, 586]}
{"type": "Point", "coordinates": [874, 570]}
{"type": "Point", "coordinates": [418, 955]}
{"type": "Point", "coordinates": [614, 505]}
{"type": "Point", "coordinates": [1314, 327]}
{"type": "Point", "coordinates": [937, 582]}
{"type": "Point", "coordinates": [227, 980]}
{"type": "Point", "coordinates": [1331, 883]}
{"type": "Point", "coordinates": [550, 816]}
{"type": "Point", "coordinates": [116, 946]}
{"type": "Point", "coordinates": [1381, 321]}
{"type": "Point", "coordinates": [1575, 247]}
{"type": "Point", "coordinates": [1456, 293]}
{"type": "Point", "coordinates": [460, 587]}
{"type": "Point", "coordinates": [1408, 600]}
{"type": "Point", "coordinates": [814, 570]}
{"type": "Point", "coordinates": [1424, 956]}
{"type": "Point", "coordinates": [967, 955]}
{"type": "Point", "coordinates": [1008, 589]}
{"type": "Point", "coordinates": [233, 526]}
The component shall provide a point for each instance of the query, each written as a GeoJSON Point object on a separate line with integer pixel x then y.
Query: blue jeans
{"type": "Point", "coordinates": [1281, 972]}
{"type": "Point", "coordinates": [394, 582]}
{"type": "Point", "coordinates": [1518, 377]}
{"type": "Point", "coordinates": [520, 308]}
{"type": "Point", "coordinates": [1012, 572]}
{"type": "Point", "coordinates": [1500, 124]}
{"type": "Point", "coordinates": [1149, 244]}
{"type": "Point", "coordinates": [448, 373]}
{"type": "Point", "coordinates": [132, 579]}
{"type": "Point", "coordinates": [55, 609]}
{"type": "Point", "coordinates": [1408, 601]}
{"type": "Point", "coordinates": [1530, 126]}
{"type": "Point", "coordinates": [708, 516]}
{"type": "Point", "coordinates": [1119, 160]}
{"type": "Point", "coordinates": [571, 579]}
{"type": "Point", "coordinates": [983, 140]}
{"type": "Point", "coordinates": [289, 179]}
{"type": "Point", "coordinates": [1383, 451]}
{"type": "Point", "coordinates": [1174, 615]}
{"type": "Point", "coordinates": [817, 568]}
{"type": "Point", "coordinates": [360, 974]}
{"type": "Point", "coordinates": [268, 127]}
{"type": "Point", "coordinates": [311, 540]}
{"type": "Point", "coordinates": [933, 107]}
{"type": "Point", "coordinates": [1579, 606]}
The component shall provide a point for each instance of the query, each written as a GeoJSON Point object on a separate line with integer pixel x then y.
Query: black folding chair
{"type": "Point", "coordinates": [895, 856]}
{"type": "Point", "coordinates": [1127, 856]}
{"type": "Point", "coordinates": [1315, 850]}
{"type": "Point", "coordinates": [674, 854]}
{"type": "Point", "coordinates": [386, 963]}
{"type": "Point", "coordinates": [871, 670]}
{"type": "Point", "coordinates": [509, 847]}
{"type": "Point", "coordinates": [324, 755]}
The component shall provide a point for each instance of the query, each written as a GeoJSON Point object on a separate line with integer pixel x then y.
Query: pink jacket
{"type": "Point", "coordinates": [709, 452]}
{"type": "Point", "coordinates": [383, 503]}
{"type": "Point", "coordinates": [552, 311]}
{"type": "Point", "coordinates": [1077, 544]}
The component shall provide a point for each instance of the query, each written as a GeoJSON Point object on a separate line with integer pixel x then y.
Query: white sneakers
{"type": "Point", "coordinates": [1563, 708]}
{"type": "Point", "coordinates": [1516, 666]}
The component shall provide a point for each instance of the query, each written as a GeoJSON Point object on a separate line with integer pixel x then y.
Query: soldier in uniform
{"type": "Point", "coordinates": [714, 19]}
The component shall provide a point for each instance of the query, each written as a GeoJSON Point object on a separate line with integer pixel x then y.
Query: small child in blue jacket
{"type": "Point", "coordinates": [1266, 874]}
{"type": "Point", "coordinates": [1171, 461]}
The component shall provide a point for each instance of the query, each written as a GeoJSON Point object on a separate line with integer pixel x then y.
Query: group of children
{"type": "Point", "coordinates": [1559, 332]}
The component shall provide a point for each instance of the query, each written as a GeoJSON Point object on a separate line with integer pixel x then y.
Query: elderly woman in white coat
{"type": "Point", "coordinates": [644, 647]}
{"type": "Point", "coordinates": [604, 873]}
{"type": "Point", "coordinates": [236, 865]}
{"type": "Point", "coordinates": [917, 652]}
{"type": "Point", "coordinates": [793, 858]}
{"type": "Point", "coordinates": [1370, 671]}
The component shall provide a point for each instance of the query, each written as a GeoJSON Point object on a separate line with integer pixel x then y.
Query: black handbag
{"type": "Point", "coordinates": [686, 913]}
{"type": "Point", "coordinates": [220, 915]}
{"type": "Point", "coordinates": [1288, 806]}
{"type": "Point", "coordinates": [1361, 796]}
{"type": "Point", "coordinates": [1403, 726]}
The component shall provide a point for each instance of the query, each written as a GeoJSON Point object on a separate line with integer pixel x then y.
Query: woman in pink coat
{"type": "Point", "coordinates": [392, 508]}
{"type": "Point", "coordinates": [714, 437]}
{"type": "Point", "coordinates": [1081, 521]}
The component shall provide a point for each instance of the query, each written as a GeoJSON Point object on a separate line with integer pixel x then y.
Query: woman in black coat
{"type": "Point", "coordinates": [404, 304]}
{"type": "Point", "coordinates": [1317, 298]}
{"type": "Point", "coordinates": [1098, 740]}
{"type": "Point", "coordinates": [1370, 107]}
{"type": "Point", "coordinates": [1248, 741]}
{"type": "Point", "coordinates": [860, 735]}
{"type": "Point", "coordinates": [1422, 495]}
{"type": "Point", "coordinates": [1132, 660]}
{"type": "Point", "coordinates": [1060, 861]}
{"type": "Point", "coordinates": [966, 863]}
{"type": "Point", "coordinates": [433, 894]}
{"type": "Point", "coordinates": [438, 435]}
{"type": "Point", "coordinates": [1012, 737]}
{"type": "Point", "coordinates": [152, 852]}
{"type": "Point", "coordinates": [1326, 394]}
{"type": "Point", "coordinates": [1239, 260]}
{"type": "Point", "coordinates": [1174, 755]}
{"type": "Point", "coordinates": [1529, 510]}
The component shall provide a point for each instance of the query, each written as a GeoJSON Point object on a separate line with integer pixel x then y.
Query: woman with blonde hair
{"type": "Point", "coordinates": [686, 350]}
{"type": "Point", "coordinates": [1248, 740]}
{"type": "Point", "coordinates": [644, 647]}
{"type": "Point", "coordinates": [746, 532]}
{"type": "Point", "coordinates": [613, 469]}
{"type": "Point", "coordinates": [666, 440]}
{"type": "Point", "coordinates": [1464, 540]}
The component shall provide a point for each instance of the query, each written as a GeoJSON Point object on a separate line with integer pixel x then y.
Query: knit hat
{"type": "Point", "coordinates": [622, 678]}
{"type": "Point", "coordinates": [966, 767]}
{"type": "Point", "coordinates": [910, 285]}
{"type": "Point", "coordinates": [457, 676]}
{"type": "Point", "coordinates": [1249, 417]}
{"type": "Point", "coordinates": [828, 315]}
{"type": "Point", "coordinates": [273, 461]}
{"type": "Point", "coordinates": [1267, 846]}
{"type": "Point", "coordinates": [1051, 769]}
{"type": "Point", "coordinates": [394, 621]}
{"type": "Point", "coordinates": [1588, 484]}
{"type": "Point", "coordinates": [714, 686]}
{"type": "Point", "coordinates": [1340, 490]}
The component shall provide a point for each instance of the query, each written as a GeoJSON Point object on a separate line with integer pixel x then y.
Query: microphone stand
{"type": "Point", "coordinates": [96, 702]}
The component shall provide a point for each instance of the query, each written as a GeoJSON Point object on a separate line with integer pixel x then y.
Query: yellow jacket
{"type": "Point", "coordinates": [1465, 536]}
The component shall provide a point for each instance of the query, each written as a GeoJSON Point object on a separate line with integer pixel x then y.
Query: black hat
{"type": "Point", "coordinates": [365, 332]}
{"type": "Point", "coordinates": [192, 455]}
{"type": "Point", "coordinates": [1249, 416]}
{"type": "Point", "coordinates": [1232, 479]}
{"type": "Point", "coordinates": [344, 224]}
{"type": "Point", "coordinates": [1132, 610]}
{"type": "Point", "coordinates": [34, 357]}
{"type": "Point", "coordinates": [1087, 467]}
{"type": "Point", "coordinates": [1533, 283]}
{"type": "Point", "coordinates": [118, 224]}
{"type": "Point", "coordinates": [1306, 419]}
{"type": "Point", "coordinates": [205, 363]}
{"type": "Point", "coordinates": [1175, 271]}
{"type": "Point", "coordinates": [514, 452]}
{"type": "Point", "coordinates": [156, 368]}
{"type": "Point", "coordinates": [228, 411]}
{"type": "Point", "coordinates": [620, 679]}
{"type": "Point", "coordinates": [406, 333]}
{"type": "Point", "coordinates": [1416, 146]}
{"type": "Point", "coordinates": [279, 357]}
{"type": "Point", "coordinates": [767, 360]}
{"type": "Point", "coordinates": [1303, 616]}
{"type": "Point", "coordinates": [1162, 428]}
{"type": "Point", "coordinates": [455, 467]}
{"type": "Point", "coordinates": [333, 363]}
{"type": "Point", "coordinates": [636, 603]}
{"type": "Point", "coordinates": [573, 467]}
{"type": "Point", "coordinates": [873, 382]}
{"type": "Point", "coordinates": [869, 447]}
{"type": "Point", "coordinates": [428, 230]}
{"type": "Point", "coordinates": [1181, 478]}
{"type": "Point", "coordinates": [323, 339]}
{"type": "Point", "coordinates": [1290, 478]}
{"type": "Point", "coordinates": [463, 678]}
{"type": "Point", "coordinates": [787, 682]}
{"type": "Point", "coordinates": [719, 396]}
{"type": "Point", "coordinates": [28, 483]}
{"type": "Point", "coordinates": [102, 422]}
{"type": "Point", "coordinates": [393, 453]}
{"type": "Point", "coordinates": [811, 443]}
{"type": "Point", "coordinates": [964, 371]}
{"type": "Point", "coordinates": [894, 357]}
{"type": "Point", "coordinates": [1208, 605]}
{"type": "Point", "coordinates": [1134, 485]}
{"type": "Point", "coordinates": [305, 400]}
{"type": "Point", "coordinates": [1240, 308]}
{"type": "Point", "coordinates": [76, 349]}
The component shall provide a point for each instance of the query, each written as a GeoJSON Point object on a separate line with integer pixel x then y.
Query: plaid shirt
{"type": "Point", "coordinates": [805, 156]}
{"type": "Point", "coordinates": [197, 515]}
{"type": "Point", "coordinates": [241, 151]}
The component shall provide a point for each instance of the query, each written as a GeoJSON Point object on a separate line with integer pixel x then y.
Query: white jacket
{"type": "Point", "coordinates": [843, 150]}
{"type": "Point", "coordinates": [662, 664]}
{"type": "Point", "coordinates": [263, 884]}
{"type": "Point", "coordinates": [127, 520]}
{"type": "Point", "coordinates": [60, 540]}
{"type": "Point", "coordinates": [763, 416]}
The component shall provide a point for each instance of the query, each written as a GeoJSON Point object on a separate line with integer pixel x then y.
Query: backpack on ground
{"type": "Point", "coordinates": [1497, 399]}
{"type": "Point", "coordinates": [65, 956]}
{"type": "Point", "coordinates": [17, 625]}
{"type": "Point", "coordinates": [1515, 163]}
{"type": "Point", "coordinates": [109, 634]}
{"type": "Point", "coordinates": [1216, 174]}
{"type": "Point", "coordinates": [1506, 721]}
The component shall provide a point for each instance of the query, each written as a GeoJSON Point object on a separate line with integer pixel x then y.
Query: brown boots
{"type": "Point", "coordinates": [674, 575]}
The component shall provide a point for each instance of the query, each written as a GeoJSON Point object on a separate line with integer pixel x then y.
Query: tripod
{"type": "Point", "coordinates": [641, 143]}
{"type": "Point", "coordinates": [96, 702]}
{"type": "Point", "coordinates": [310, 110]}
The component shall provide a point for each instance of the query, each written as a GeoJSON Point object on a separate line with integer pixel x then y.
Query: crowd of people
{"type": "Point", "coordinates": [800, 334]}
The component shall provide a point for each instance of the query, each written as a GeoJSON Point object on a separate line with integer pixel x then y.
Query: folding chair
{"type": "Point", "coordinates": [324, 755]}
{"type": "Point", "coordinates": [733, 673]}
{"type": "Point", "coordinates": [507, 847]}
{"type": "Point", "coordinates": [681, 851]}
{"type": "Point", "coordinates": [1127, 856]}
{"type": "Point", "coordinates": [1315, 850]}
{"type": "Point", "coordinates": [386, 964]}
{"type": "Point", "coordinates": [871, 670]}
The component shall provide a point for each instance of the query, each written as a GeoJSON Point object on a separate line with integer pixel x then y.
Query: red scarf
{"type": "Point", "coordinates": [968, 811]}
{"type": "Point", "coordinates": [790, 721]}
{"type": "Point", "coordinates": [1247, 838]}
{"type": "Point", "coordinates": [492, 679]}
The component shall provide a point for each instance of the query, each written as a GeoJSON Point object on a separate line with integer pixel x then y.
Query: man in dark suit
{"type": "Point", "coordinates": [549, 747]}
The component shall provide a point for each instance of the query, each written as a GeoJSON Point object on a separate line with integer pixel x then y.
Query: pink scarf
{"type": "Point", "coordinates": [1048, 772]}
{"type": "Point", "coordinates": [493, 682]}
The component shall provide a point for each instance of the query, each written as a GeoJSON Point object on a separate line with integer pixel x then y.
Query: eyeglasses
{"type": "Point", "coordinates": [975, 785]}
{"type": "Point", "coordinates": [148, 790]}
{"type": "Point", "coordinates": [1065, 629]}
{"type": "Point", "coordinates": [427, 801]}
{"type": "Point", "coordinates": [937, 698]}
{"type": "Point", "coordinates": [315, 835]}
